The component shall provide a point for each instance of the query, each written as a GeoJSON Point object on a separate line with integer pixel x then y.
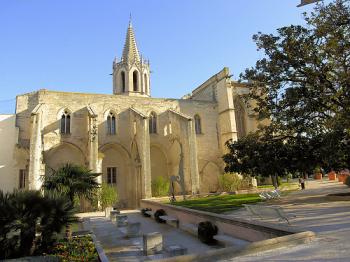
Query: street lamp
{"type": "Point", "coordinates": [307, 2]}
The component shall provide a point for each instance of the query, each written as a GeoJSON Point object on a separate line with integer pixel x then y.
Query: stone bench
{"type": "Point", "coordinates": [267, 212]}
{"type": "Point", "coordinates": [170, 220]}
{"type": "Point", "coordinates": [190, 228]}
{"type": "Point", "coordinates": [227, 241]}
{"type": "Point", "coordinates": [175, 250]}
{"type": "Point", "coordinates": [150, 213]}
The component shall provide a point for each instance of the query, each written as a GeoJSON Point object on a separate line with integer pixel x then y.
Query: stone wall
{"type": "Point", "coordinates": [9, 171]}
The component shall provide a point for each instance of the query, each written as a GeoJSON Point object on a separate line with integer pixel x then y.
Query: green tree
{"type": "Point", "coordinates": [302, 88]}
{"type": "Point", "coordinates": [258, 154]}
{"type": "Point", "coordinates": [303, 82]}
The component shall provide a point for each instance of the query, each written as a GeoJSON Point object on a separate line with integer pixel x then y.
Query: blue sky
{"type": "Point", "coordinates": [70, 45]}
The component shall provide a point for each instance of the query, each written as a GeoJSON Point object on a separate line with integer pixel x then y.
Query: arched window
{"type": "Point", "coordinates": [197, 124]}
{"type": "Point", "coordinates": [111, 124]}
{"type": "Point", "coordinates": [145, 79]}
{"type": "Point", "coordinates": [122, 77]}
{"type": "Point", "coordinates": [135, 81]}
{"type": "Point", "coordinates": [65, 123]}
{"type": "Point", "coordinates": [153, 123]}
{"type": "Point", "coordinates": [240, 118]}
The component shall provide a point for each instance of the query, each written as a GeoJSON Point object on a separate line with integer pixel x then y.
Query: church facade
{"type": "Point", "coordinates": [130, 137]}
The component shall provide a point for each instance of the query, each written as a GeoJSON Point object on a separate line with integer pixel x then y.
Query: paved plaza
{"type": "Point", "coordinates": [312, 210]}
{"type": "Point", "coordinates": [119, 248]}
{"type": "Point", "coordinates": [329, 219]}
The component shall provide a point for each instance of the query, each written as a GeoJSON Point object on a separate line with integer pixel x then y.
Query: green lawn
{"type": "Point", "coordinates": [219, 204]}
{"type": "Point", "coordinates": [284, 186]}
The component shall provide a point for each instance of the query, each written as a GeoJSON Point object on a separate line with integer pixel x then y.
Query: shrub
{"type": "Point", "coordinates": [206, 231]}
{"type": "Point", "coordinates": [279, 181]}
{"type": "Point", "coordinates": [160, 186]}
{"type": "Point", "coordinates": [157, 214]}
{"type": "Point", "coordinates": [347, 181]}
{"type": "Point", "coordinates": [230, 182]}
{"type": "Point", "coordinates": [108, 196]}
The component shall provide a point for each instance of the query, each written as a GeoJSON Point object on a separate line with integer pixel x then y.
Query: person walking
{"type": "Point", "coordinates": [302, 183]}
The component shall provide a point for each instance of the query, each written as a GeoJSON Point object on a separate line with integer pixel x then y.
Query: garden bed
{"type": "Point", "coordinates": [78, 248]}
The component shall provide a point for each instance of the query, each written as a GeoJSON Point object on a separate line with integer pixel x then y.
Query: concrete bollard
{"type": "Point", "coordinates": [152, 243]}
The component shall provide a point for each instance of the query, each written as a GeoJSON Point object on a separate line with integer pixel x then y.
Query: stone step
{"type": "Point", "coordinates": [227, 241]}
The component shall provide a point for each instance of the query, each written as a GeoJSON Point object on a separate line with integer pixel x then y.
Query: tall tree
{"type": "Point", "coordinates": [302, 86]}
{"type": "Point", "coordinates": [303, 81]}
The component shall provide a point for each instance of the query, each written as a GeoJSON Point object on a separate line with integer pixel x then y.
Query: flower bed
{"type": "Point", "coordinates": [79, 248]}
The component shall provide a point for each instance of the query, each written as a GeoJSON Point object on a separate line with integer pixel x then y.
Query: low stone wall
{"type": "Point", "coordinates": [231, 252]}
{"type": "Point", "coordinates": [239, 228]}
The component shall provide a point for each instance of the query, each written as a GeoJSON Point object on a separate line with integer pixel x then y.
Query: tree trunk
{"type": "Point", "coordinates": [68, 232]}
{"type": "Point", "coordinates": [274, 181]}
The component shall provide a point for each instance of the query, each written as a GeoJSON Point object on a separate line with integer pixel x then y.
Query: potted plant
{"type": "Point", "coordinates": [317, 173]}
{"type": "Point", "coordinates": [332, 175]}
{"type": "Point", "coordinates": [343, 175]}
{"type": "Point", "coordinates": [108, 197]}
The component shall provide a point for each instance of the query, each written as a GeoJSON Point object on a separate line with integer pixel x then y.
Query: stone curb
{"type": "Point", "coordinates": [101, 254]}
{"type": "Point", "coordinates": [259, 246]}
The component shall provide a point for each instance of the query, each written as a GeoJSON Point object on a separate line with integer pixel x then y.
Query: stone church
{"type": "Point", "coordinates": [128, 136]}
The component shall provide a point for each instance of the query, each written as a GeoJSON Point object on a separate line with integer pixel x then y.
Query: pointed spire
{"type": "Point", "coordinates": [130, 51]}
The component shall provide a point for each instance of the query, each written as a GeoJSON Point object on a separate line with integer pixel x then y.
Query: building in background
{"type": "Point", "coordinates": [307, 2]}
{"type": "Point", "coordinates": [130, 137]}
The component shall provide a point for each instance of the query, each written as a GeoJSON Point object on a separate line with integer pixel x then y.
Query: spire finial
{"type": "Point", "coordinates": [130, 20]}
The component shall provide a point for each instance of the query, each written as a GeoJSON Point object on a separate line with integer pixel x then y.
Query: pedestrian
{"type": "Point", "coordinates": [302, 183]}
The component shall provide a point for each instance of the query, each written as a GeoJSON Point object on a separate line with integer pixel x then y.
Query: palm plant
{"type": "Point", "coordinates": [72, 181]}
{"type": "Point", "coordinates": [23, 213]}
{"type": "Point", "coordinates": [57, 212]}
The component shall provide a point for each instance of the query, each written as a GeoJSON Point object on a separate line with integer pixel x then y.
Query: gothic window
{"type": "Point", "coordinates": [22, 179]}
{"type": "Point", "coordinates": [135, 81]}
{"type": "Point", "coordinates": [111, 124]}
{"type": "Point", "coordinates": [122, 76]}
{"type": "Point", "coordinates": [240, 118]}
{"type": "Point", "coordinates": [65, 123]}
{"type": "Point", "coordinates": [111, 175]}
{"type": "Point", "coordinates": [153, 123]}
{"type": "Point", "coordinates": [197, 124]}
{"type": "Point", "coordinates": [146, 83]}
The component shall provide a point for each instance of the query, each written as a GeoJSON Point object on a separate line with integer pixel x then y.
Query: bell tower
{"type": "Point", "coordinates": [131, 75]}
